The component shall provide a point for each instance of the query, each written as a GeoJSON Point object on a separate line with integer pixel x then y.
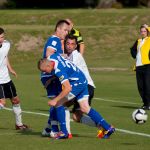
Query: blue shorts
{"type": "Point", "coordinates": [79, 91]}
{"type": "Point", "coordinates": [54, 87]}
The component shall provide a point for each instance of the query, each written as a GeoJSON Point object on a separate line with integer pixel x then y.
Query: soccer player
{"type": "Point", "coordinates": [74, 56]}
{"type": "Point", "coordinates": [74, 85]}
{"type": "Point", "coordinates": [77, 34]}
{"type": "Point", "coordinates": [53, 43]}
{"type": "Point", "coordinates": [50, 82]}
{"type": "Point", "coordinates": [7, 87]}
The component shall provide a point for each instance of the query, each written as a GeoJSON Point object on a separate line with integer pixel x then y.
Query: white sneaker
{"type": "Point", "coordinates": [46, 132]}
{"type": "Point", "coordinates": [53, 134]}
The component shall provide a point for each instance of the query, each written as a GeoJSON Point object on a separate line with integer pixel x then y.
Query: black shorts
{"type": "Point", "coordinates": [91, 95]}
{"type": "Point", "coordinates": [7, 90]}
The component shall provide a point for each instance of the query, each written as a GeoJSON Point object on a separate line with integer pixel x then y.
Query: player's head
{"type": "Point", "coordinates": [45, 65]}
{"type": "Point", "coordinates": [144, 30]}
{"type": "Point", "coordinates": [70, 23]}
{"type": "Point", "coordinates": [70, 44]}
{"type": "Point", "coordinates": [2, 35]}
{"type": "Point", "coordinates": [62, 29]}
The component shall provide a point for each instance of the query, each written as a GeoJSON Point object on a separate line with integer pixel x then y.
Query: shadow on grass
{"type": "Point", "coordinates": [127, 107]}
{"type": "Point", "coordinates": [29, 132]}
{"type": "Point", "coordinates": [82, 136]}
{"type": "Point", "coordinates": [128, 144]}
{"type": "Point", "coordinates": [4, 128]}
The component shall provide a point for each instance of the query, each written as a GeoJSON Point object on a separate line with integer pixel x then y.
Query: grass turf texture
{"type": "Point", "coordinates": [108, 35]}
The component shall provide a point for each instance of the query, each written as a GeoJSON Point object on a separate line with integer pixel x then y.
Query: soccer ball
{"type": "Point", "coordinates": [139, 116]}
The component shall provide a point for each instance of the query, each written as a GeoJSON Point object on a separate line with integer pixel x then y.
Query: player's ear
{"type": "Point", "coordinates": [75, 46]}
{"type": "Point", "coordinates": [52, 63]}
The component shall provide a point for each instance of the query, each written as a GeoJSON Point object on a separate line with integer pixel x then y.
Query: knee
{"type": "Point", "coordinates": [85, 109]}
{"type": "Point", "coordinates": [84, 106]}
{"type": "Point", "coordinates": [15, 100]}
{"type": "Point", "coordinates": [3, 102]}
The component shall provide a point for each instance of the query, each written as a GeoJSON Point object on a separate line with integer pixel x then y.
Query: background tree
{"type": "Point", "coordinates": [74, 3]}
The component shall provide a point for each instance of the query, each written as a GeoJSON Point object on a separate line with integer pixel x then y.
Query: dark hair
{"type": "Point", "coordinates": [1, 31]}
{"type": "Point", "coordinates": [72, 37]}
{"type": "Point", "coordinates": [60, 23]}
{"type": "Point", "coordinates": [40, 62]}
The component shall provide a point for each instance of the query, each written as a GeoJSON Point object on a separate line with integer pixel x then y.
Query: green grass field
{"type": "Point", "coordinates": [108, 35]}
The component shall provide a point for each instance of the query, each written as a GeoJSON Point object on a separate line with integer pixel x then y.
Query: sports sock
{"type": "Point", "coordinates": [87, 121]}
{"type": "Point", "coordinates": [98, 119]}
{"type": "Point", "coordinates": [68, 120]}
{"type": "Point", "coordinates": [53, 120]}
{"type": "Point", "coordinates": [61, 118]}
{"type": "Point", "coordinates": [1, 106]}
{"type": "Point", "coordinates": [48, 125]}
{"type": "Point", "coordinates": [18, 116]}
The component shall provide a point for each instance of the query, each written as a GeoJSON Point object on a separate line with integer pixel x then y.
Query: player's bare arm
{"type": "Point", "coordinates": [82, 47]}
{"type": "Point", "coordinates": [11, 70]}
{"type": "Point", "coordinates": [49, 51]}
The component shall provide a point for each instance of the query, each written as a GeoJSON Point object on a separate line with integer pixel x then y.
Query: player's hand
{"type": "Point", "coordinates": [14, 73]}
{"type": "Point", "coordinates": [64, 55]}
{"type": "Point", "coordinates": [52, 103]}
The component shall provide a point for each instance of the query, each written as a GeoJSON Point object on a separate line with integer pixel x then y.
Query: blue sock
{"type": "Point", "coordinates": [98, 119]}
{"type": "Point", "coordinates": [62, 118]}
{"type": "Point", "coordinates": [53, 119]}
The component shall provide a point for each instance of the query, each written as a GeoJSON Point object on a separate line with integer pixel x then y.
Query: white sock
{"type": "Point", "coordinates": [17, 111]}
{"type": "Point", "coordinates": [88, 121]}
{"type": "Point", "coordinates": [68, 120]}
{"type": "Point", "coordinates": [1, 106]}
{"type": "Point", "coordinates": [54, 122]}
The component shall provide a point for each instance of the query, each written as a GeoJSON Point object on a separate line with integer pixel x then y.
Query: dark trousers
{"type": "Point", "coordinates": [143, 83]}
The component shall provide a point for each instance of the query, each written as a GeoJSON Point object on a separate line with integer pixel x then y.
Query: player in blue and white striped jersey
{"type": "Point", "coordinates": [50, 82]}
{"type": "Point", "coordinates": [74, 85]}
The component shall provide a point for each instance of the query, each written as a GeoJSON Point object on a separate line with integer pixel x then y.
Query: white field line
{"type": "Point", "coordinates": [101, 99]}
{"type": "Point", "coordinates": [132, 132]}
{"type": "Point", "coordinates": [116, 101]}
{"type": "Point", "coordinates": [29, 112]}
{"type": "Point", "coordinates": [108, 69]}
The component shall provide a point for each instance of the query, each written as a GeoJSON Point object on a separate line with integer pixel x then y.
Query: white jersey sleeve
{"type": "Point", "coordinates": [4, 73]}
{"type": "Point", "coordinates": [79, 61]}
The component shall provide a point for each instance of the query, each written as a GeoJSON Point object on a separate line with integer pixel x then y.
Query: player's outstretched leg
{"type": "Point", "coordinates": [99, 120]}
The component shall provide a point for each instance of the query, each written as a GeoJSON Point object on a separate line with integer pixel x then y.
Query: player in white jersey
{"type": "Point", "coordinates": [7, 88]}
{"type": "Point", "coordinates": [74, 56]}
